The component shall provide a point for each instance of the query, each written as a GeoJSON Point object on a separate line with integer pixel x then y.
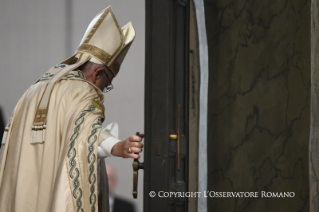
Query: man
{"type": "Point", "coordinates": [117, 204]}
{"type": "Point", "coordinates": [53, 142]}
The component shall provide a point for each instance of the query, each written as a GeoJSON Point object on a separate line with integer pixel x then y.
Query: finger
{"type": "Point", "coordinates": [135, 138]}
{"type": "Point", "coordinates": [134, 156]}
{"type": "Point", "coordinates": [136, 150]}
{"type": "Point", "coordinates": [136, 144]}
{"type": "Point", "coordinates": [133, 144]}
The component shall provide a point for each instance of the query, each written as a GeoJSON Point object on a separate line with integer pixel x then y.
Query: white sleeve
{"type": "Point", "coordinates": [105, 147]}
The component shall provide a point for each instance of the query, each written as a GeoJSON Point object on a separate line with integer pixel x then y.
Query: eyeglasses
{"type": "Point", "coordinates": [110, 86]}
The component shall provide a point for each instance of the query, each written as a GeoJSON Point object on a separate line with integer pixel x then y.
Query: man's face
{"type": "Point", "coordinates": [109, 86]}
{"type": "Point", "coordinates": [104, 79]}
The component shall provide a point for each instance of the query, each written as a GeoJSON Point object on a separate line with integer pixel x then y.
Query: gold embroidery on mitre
{"type": "Point", "coordinates": [95, 51]}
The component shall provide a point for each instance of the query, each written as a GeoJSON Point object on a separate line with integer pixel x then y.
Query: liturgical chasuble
{"type": "Point", "coordinates": [59, 174]}
{"type": "Point", "coordinates": [49, 154]}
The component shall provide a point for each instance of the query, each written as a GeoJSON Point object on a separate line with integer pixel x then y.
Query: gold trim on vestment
{"type": "Point", "coordinates": [40, 116]}
{"type": "Point", "coordinates": [98, 106]}
{"type": "Point", "coordinates": [39, 123]}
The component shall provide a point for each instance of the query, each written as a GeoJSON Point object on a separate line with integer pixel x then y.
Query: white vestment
{"type": "Point", "coordinates": [60, 174]}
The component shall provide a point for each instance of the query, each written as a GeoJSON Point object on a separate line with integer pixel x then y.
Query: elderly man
{"type": "Point", "coordinates": [53, 142]}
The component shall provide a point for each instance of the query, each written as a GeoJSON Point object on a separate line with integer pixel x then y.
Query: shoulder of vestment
{"type": "Point", "coordinates": [72, 75]}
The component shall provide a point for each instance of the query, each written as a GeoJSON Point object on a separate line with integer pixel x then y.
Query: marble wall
{"type": "Point", "coordinates": [259, 102]}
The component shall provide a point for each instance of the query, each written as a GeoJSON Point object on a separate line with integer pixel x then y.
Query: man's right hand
{"type": "Point", "coordinates": [131, 144]}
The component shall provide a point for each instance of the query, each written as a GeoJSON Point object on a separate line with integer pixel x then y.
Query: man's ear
{"type": "Point", "coordinates": [97, 73]}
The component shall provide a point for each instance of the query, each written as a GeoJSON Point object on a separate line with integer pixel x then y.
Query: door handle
{"type": "Point", "coordinates": [178, 136]}
{"type": "Point", "coordinates": [136, 166]}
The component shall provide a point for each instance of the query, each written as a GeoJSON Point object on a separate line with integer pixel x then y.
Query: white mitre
{"type": "Point", "coordinates": [105, 42]}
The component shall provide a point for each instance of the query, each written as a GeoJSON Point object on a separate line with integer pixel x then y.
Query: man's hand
{"type": "Point", "coordinates": [133, 143]}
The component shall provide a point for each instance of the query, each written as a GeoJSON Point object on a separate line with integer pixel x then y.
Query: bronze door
{"type": "Point", "coordinates": [166, 105]}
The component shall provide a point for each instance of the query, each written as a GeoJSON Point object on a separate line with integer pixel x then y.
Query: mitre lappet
{"type": "Point", "coordinates": [104, 42]}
